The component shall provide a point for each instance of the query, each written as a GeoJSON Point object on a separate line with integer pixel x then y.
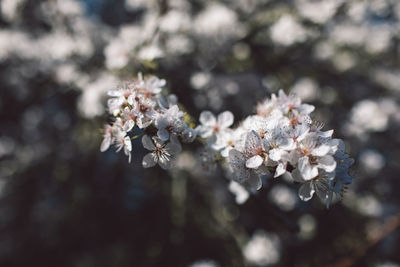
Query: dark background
{"type": "Point", "coordinates": [63, 203]}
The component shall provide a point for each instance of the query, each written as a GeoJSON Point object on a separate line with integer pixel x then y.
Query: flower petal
{"type": "Point", "coordinates": [254, 162]}
{"type": "Point", "coordinates": [165, 162]}
{"type": "Point", "coordinates": [150, 160]}
{"type": "Point", "coordinates": [253, 144]}
{"type": "Point", "coordinates": [105, 144]}
{"type": "Point", "coordinates": [163, 134]}
{"type": "Point", "coordinates": [327, 163]}
{"type": "Point", "coordinates": [275, 154]}
{"type": "Point", "coordinates": [253, 183]}
{"type": "Point", "coordinates": [207, 118]}
{"type": "Point", "coordinates": [148, 143]}
{"type": "Point", "coordinates": [306, 191]}
{"type": "Point", "coordinates": [307, 170]}
{"type": "Point", "coordinates": [225, 119]}
{"type": "Point", "coordinates": [280, 169]}
{"type": "Point", "coordinates": [321, 150]}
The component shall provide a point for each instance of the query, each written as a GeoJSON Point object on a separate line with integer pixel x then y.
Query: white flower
{"type": "Point", "coordinates": [161, 152]}
{"type": "Point", "coordinates": [107, 138]}
{"type": "Point", "coordinates": [211, 125]}
{"type": "Point", "coordinates": [280, 144]}
{"type": "Point", "coordinates": [246, 167]}
{"type": "Point", "coordinates": [319, 185]}
{"type": "Point", "coordinates": [312, 155]}
{"type": "Point", "coordinates": [168, 122]}
{"type": "Point", "coordinates": [290, 102]}
{"type": "Point", "coordinates": [123, 141]}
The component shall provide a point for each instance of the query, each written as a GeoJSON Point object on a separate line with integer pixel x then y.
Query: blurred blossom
{"type": "Point", "coordinates": [217, 21]}
{"type": "Point", "coordinates": [9, 9]}
{"type": "Point", "coordinates": [263, 249]}
{"type": "Point", "coordinates": [204, 263]}
{"type": "Point", "coordinates": [367, 116]}
{"type": "Point", "coordinates": [199, 80]}
{"type": "Point", "coordinates": [287, 31]}
{"type": "Point", "coordinates": [319, 11]}
{"type": "Point", "coordinates": [241, 194]}
{"type": "Point", "coordinates": [387, 264]}
{"type": "Point", "coordinates": [7, 146]}
{"type": "Point", "coordinates": [371, 160]}
{"type": "Point", "coordinates": [283, 197]}
{"type": "Point", "coordinates": [369, 205]}
{"type": "Point", "coordinates": [307, 224]}
{"type": "Point", "coordinates": [306, 88]}
{"type": "Point", "coordinates": [90, 104]}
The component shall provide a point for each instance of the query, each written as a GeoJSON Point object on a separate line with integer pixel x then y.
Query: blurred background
{"type": "Point", "coordinates": [63, 203]}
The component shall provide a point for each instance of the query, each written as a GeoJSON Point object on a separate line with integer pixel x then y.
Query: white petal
{"type": "Point", "coordinates": [275, 154]}
{"type": "Point", "coordinates": [128, 125]}
{"type": "Point", "coordinates": [306, 191]}
{"type": "Point", "coordinates": [280, 169]}
{"type": "Point", "coordinates": [148, 143]}
{"type": "Point", "coordinates": [207, 118]}
{"type": "Point", "coordinates": [165, 162]}
{"type": "Point", "coordinates": [306, 108]}
{"type": "Point", "coordinates": [203, 131]}
{"type": "Point", "coordinates": [225, 119]}
{"type": "Point", "coordinates": [163, 134]}
{"type": "Point", "coordinates": [127, 144]}
{"type": "Point", "coordinates": [149, 160]}
{"type": "Point", "coordinates": [254, 162]}
{"type": "Point", "coordinates": [321, 150]}
{"type": "Point", "coordinates": [287, 144]}
{"type": "Point", "coordinates": [307, 170]}
{"type": "Point", "coordinates": [326, 134]}
{"type": "Point", "coordinates": [327, 163]}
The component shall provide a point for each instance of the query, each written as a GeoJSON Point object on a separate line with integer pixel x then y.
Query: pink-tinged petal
{"type": "Point", "coordinates": [327, 163]}
{"type": "Point", "coordinates": [253, 144]}
{"type": "Point", "coordinates": [163, 134]}
{"type": "Point", "coordinates": [306, 191]}
{"type": "Point", "coordinates": [307, 170]}
{"type": "Point", "coordinates": [225, 119]}
{"type": "Point", "coordinates": [254, 162]}
{"type": "Point", "coordinates": [105, 144]}
{"type": "Point", "coordinates": [207, 118]}
{"type": "Point", "coordinates": [148, 143]}
{"type": "Point", "coordinates": [150, 160]}
{"type": "Point", "coordinates": [321, 150]}
{"type": "Point", "coordinates": [236, 157]}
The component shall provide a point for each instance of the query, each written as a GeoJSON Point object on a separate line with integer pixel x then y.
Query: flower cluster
{"type": "Point", "coordinates": [140, 103]}
{"type": "Point", "coordinates": [280, 138]}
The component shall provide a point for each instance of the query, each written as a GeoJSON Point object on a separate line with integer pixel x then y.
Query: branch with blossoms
{"type": "Point", "coordinates": [281, 138]}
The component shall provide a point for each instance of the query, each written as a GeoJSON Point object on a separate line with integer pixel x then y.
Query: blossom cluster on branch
{"type": "Point", "coordinates": [281, 138]}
